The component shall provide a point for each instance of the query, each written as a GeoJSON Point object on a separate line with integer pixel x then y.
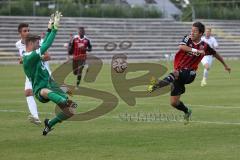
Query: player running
{"type": "Point", "coordinates": [191, 51]}
{"type": "Point", "coordinates": [78, 47]}
{"type": "Point", "coordinates": [44, 87]}
{"type": "Point", "coordinates": [207, 60]}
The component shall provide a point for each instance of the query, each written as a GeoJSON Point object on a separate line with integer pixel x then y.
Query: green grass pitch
{"type": "Point", "coordinates": [213, 134]}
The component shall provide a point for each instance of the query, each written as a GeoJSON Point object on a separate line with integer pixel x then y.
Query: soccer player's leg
{"type": "Point", "coordinates": [79, 75]}
{"type": "Point", "coordinates": [67, 107]}
{"type": "Point", "coordinates": [32, 106]}
{"type": "Point", "coordinates": [77, 71]}
{"type": "Point", "coordinates": [75, 67]}
{"type": "Point", "coordinates": [206, 61]}
{"type": "Point", "coordinates": [81, 64]}
{"type": "Point", "coordinates": [185, 77]}
{"type": "Point", "coordinates": [176, 103]}
{"type": "Point", "coordinates": [156, 84]}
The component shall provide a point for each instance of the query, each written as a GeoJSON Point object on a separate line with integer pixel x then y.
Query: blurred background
{"type": "Point", "coordinates": [154, 27]}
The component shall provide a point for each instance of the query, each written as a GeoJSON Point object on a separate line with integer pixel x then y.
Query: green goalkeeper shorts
{"type": "Point", "coordinates": [53, 86]}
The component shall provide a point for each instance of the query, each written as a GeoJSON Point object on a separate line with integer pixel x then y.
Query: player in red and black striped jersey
{"type": "Point", "coordinates": [191, 51]}
{"type": "Point", "coordinates": [190, 59]}
{"type": "Point", "coordinates": [78, 47]}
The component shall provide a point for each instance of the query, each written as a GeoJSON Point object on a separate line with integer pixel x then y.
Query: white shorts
{"type": "Point", "coordinates": [207, 60]}
{"type": "Point", "coordinates": [28, 84]}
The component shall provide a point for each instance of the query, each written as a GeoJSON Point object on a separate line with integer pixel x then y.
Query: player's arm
{"type": "Point", "coordinates": [47, 35]}
{"type": "Point", "coordinates": [46, 56]}
{"type": "Point", "coordinates": [219, 58]}
{"type": "Point", "coordinates": [183, 45]}
{"type": "Point", "coordinates": [50, 38]}
{"type": "Point", "coordinates": [70, 47]}
{"type": "Point", "coordinates": [89, 46]}
{"type": "Point", "coordinates": [185, 48]}
{"type": "Point", "coordinates": [48, 42]}
{"type": "Point", "coordinates": [188, 49]}
{"type": "Point", "coordinates": [50, 26]}
{"type": "Point", "coordinates": [20, 60]}
{"type": "Point", "coordinates": [211, 51]}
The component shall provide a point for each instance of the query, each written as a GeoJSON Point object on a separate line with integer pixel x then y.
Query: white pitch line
{"type": "Point", "coordinates": [166, 104]}
{"type": "Point", "coordinates": [16, 111]}
{"type": "Point", "coordinates": [210, 106]}
{"type": "Point", "coordinates": [114, 117]}
{"type": "Point", "coordinates": [207, 106]}
{"type": "Point", "coordinates": [156, 104]}
{"type": "Point", "coordinates": [217, 122]}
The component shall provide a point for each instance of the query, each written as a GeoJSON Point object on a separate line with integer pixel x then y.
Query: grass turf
{"type": "Point", "coordinates": [213, 134]}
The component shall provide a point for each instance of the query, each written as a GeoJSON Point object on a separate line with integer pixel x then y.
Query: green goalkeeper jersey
{"type": "Point", "coordinates": [33, 65]}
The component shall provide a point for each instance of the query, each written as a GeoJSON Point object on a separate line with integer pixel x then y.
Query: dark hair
{"type": "Point", "coordinates": [32, 38]}
{"type": "Point", "coordinates": [22, 25]}
{"type": "Point", "coordinates": [200, 26]}
{"type": "Point", "coordinates": [80, 28]}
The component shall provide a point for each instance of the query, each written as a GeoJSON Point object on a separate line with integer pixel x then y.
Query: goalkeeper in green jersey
{"type": "Point", "coordinates": [44, 87]}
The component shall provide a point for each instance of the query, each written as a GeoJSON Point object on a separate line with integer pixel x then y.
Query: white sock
{"type": "Point", "coordinates": [205, 73]}
{"type": "Point", "coordinates": [32, 106]}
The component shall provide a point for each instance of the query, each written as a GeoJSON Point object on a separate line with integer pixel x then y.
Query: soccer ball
{"type": "Point", "coordinates": [119, 64]}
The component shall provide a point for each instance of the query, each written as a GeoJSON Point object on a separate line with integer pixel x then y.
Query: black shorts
{"type": "Point", "coordinates": [186, 76]}
{"type": "Point", "coordinates": [78, 66]}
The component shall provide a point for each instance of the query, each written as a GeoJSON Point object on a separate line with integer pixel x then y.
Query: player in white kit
{"type": "Point", "coordinates": [207, 60]}
{"type": "Point", "coordinates": [23, 30]}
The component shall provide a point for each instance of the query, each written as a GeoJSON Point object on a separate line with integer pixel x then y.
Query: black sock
{"type": "Point", "coordinates": [79, 79]}
{"type": "Point", "coordinates": [166, 81]}
{"type": "Point", "coordinates": [182, 107]}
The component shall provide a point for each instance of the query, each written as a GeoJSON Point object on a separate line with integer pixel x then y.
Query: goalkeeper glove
{"type": "Point", "coordinates": [51, 21]}
{"type": "Point", "coordinates": [57, 18]}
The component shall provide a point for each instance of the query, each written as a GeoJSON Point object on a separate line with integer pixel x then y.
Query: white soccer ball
{"type": "Point", "coordinates": [119, 65]}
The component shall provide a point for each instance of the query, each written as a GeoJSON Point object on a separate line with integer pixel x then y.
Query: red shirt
{"type": "Point", "coordinates": [80, 47]}
{"type": "Point", "coordinates": [186, 60]}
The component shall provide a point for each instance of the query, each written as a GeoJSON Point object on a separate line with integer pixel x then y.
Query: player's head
{"type": "Point", "coordinates": [23, 30]}
{"type": "Point", "coordinates": [198, 30]}
{"type": "Point", "coordinates": [81, 31]}
{"type": "Point", "coordinates": [32, 41]}
{"type": "Point", "coordinates": [208, 32]}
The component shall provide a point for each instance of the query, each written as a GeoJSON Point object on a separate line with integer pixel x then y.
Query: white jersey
{"type": "Point", "coordinates": [22, 48]}
{"type": "Point", "coordinates": [212, 42]}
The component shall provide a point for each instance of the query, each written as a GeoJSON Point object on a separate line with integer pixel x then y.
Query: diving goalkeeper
{"type": "Point", "coordinates": [44, 87]}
